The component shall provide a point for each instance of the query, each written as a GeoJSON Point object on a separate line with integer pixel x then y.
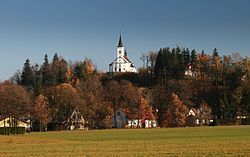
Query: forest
{"type": "Point", "coordinates": [170, 83]}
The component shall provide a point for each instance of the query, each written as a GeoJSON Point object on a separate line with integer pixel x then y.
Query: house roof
{"type": "Point", "coordinates": [126, 57]}
{"type": "Point", "coordinates": [192, 111]}
{"type": "Point", "coordinates": [6, 117]}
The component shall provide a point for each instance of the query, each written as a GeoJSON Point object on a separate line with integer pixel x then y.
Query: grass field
{"type": "Point", "coordinates": [200, 141]}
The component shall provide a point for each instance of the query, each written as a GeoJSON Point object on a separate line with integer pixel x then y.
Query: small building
{"type": "Point", "coordinates": [135, 123]}
{"type": "Point", "coordinates": [122, 63]}
{"type": "Point", "coordinates": [121, 119]}
{"type": "Point", "coordinates": [75, 121]}
{"type": "Point", "coordinates": [10, 121]}
{"type": "Point", "coordinates": [199, 116]}
{"type": "Point", "coordinates": [193, 117]}
{"type": "Point", "coordinates": [189, 72]}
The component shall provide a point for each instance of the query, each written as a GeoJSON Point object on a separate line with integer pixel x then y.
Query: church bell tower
{"type": "Point", "coordinates": [120, 51]}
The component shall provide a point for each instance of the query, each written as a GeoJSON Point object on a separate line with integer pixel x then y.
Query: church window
{"type": "Point", "coordinates": [120, 70]}
{"type": "Point", "coordinates": [120, 51]}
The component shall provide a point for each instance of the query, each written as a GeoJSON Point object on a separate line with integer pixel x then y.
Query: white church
{"type": "Point", "coordinates": [121, 63]}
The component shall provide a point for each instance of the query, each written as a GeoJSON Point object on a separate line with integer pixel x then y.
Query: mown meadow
{"type": "Point", "coordinates": [196, 141]}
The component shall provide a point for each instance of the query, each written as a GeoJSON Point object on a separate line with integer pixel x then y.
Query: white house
{"type": "Point", "coordinates": [9, 122]}
{"type": "Point", "coordinates": [121, 63]}
{"type": "Point", "coordinates": [135, 123]}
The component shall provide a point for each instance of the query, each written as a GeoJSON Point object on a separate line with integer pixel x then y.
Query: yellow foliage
{"type": "Point", "coordinates": [69, 74]}
{"type": "Point", "coordinates": [88, 66]}
{"type": "Point", "coordinates": [66, 86]}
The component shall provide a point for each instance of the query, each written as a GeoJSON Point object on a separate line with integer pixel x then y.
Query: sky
{"type": "Point", "coordinates": [79, 29]}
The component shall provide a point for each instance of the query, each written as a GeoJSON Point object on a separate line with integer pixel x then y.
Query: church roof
{"type": "Point", "coordinates": [126, 57]}
{"type": "Point", "coordinates": [120, 44]}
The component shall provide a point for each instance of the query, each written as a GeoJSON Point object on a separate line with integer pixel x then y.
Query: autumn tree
{"type": "Point", "coordinates": [42, 111]}
{"type": "Point", "coordinates": [88, 66]}
{"type": "Point", "coordinates": [176, 111]}
{"type": "Point", "coordinates": [63, 99]}
{"type": "Point", "coordinates": [14, 100]}
{"type": "Point", "coordinates": [16, 78]}
{"type": "Point", "coordinates": [114, 95]}
{"type": "Point", "coordinates": [203, 68]}
{"type": "Point", "coordinates": [130, 99]}
{"type": "Point", "coordinates": [149, 60]}
{"type": "Point", "coordinates": [160, 97]}
{"type": "Point", "coordinates": [122, 95]}
{"type": "Point", "coordinates": [147, 112]}
{"type": "Point", "coordinates": [96, 109]}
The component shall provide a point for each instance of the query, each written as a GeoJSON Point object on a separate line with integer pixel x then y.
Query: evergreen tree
{"type": "Point", "coordinates": [38, 80]}
{"type": "Point", "coordinates": [61, 75]}
{"type": "Point", "coordinates": [223, 105]}
{"type": "Point", "coordinates": [79, 71]}
{"type": "Point", "coordinates": [174, 63]}
{"type": "Point", "coordinates": [27, 77]}
{"type": "Point", "coordinates": [48, 77]}
{"type": "Point", "coordinates": [46, 61]}
{"type": "Point", "coordinates": [216, 67]}
{"type": "Point", "coordinates": [55, 58]}
{"type": "Point", "coordinates": [59, 67]}
{"type": "Point", "coordinates": [235, 102]}
{"type": "Point", "coordinates": [179, 67]}
{"type": "Point", "coordinates": [193, 61]}
{"type": "Point", "coordinates": [186, 56]}
{"type": "Point", "coordinates": [215, 53]}
{"type": "Point", "coordinates": [159, 65]}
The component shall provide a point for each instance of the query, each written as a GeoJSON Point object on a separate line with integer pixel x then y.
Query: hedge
{"type": "Point", "coordinates": [12, 130]}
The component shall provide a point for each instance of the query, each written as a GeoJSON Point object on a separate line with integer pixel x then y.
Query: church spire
{"type": "Point", "coordinates": [120, 44]}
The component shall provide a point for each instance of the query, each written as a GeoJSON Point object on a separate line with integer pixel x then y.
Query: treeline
{"type": "Point", "coordinates": [223, 82]}
{"type": "Point", "coordinates": [170, 83]}
{"type": "Point", "coordinates": [53, 90]}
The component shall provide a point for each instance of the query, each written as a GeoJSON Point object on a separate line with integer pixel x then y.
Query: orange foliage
{"type": "Point", "coordinates": [69, 75]}
{"type": "Point", "coordinates": [146, 111]}
{"type": "Point", "coordinates": [88, 66]}
{"type": "Point", "coordinates": [41, 109]}
{"type": "Point", "coordinates": [176, 111]}
{"type": "Point", "coordinates": [66, 86]}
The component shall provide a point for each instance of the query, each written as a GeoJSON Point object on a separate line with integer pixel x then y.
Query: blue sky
{"type": "Point", "coordinates": [76, 29]}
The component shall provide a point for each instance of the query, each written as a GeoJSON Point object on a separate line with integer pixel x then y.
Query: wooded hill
{"type": "Point", "coordinates": [171, 82]}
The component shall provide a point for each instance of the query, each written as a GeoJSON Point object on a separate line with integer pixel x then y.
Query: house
{"type": "Point", "coordinates": [121, 63]}
{"type": "Point", "coordinates": [10, 121]}
{"type": "Point", "coordinates": [193, 116]}
{"type": "Point", "coordinates": [75, 121]}
{"type": "Point", "coordinates": [138, 123]}
{"type": "Point", "coordinates": [120, 119]}
{"type": "Point", "coordinates": [189, 72]}
{"type": "Point", "coordinates": [199, 116]}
